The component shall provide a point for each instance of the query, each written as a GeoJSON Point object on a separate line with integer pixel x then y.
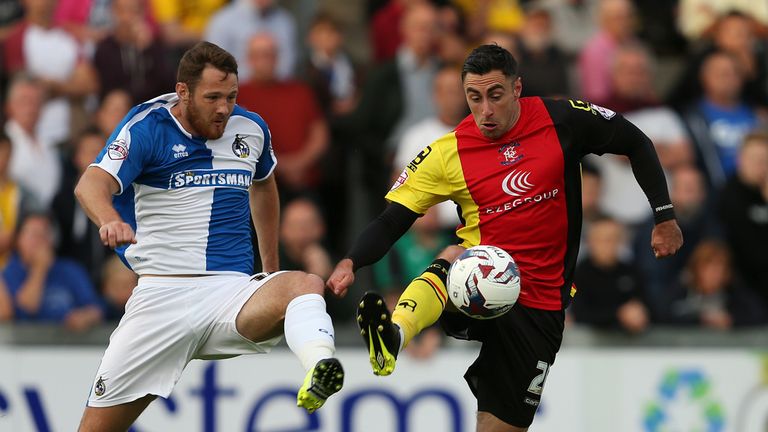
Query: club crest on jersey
{"type": "Point", "coordinates": [100, 388]}
{"type": "Point", "coordinates": [508, 153]}
{"type": "Point", "coordinates": [240, 147]}
{"type": "Point", "coordinates": [605, 112]}
{"type": "Point", "coordinates": [117, 150]}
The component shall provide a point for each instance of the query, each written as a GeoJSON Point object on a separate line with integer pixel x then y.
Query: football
{"type": "Point", "coordinates": [484, 282]}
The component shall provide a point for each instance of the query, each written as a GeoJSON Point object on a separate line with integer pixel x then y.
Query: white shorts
{"type": "Point", "coordinates": [169, 321]}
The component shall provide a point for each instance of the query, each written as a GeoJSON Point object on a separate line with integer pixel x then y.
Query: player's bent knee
{"type": "Point", "coordinates": [298, 283]}
{"type": "Point", "coordinates": [313, 284]}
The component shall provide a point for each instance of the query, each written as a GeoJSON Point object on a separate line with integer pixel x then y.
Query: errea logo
{"type": "Point", "coordinates": [179, 151]}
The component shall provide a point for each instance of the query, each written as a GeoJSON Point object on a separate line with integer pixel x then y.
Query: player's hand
{"type": "Point", "coordinates": [116, 233]}
{"type": "Point", "coordinates": [666, 239]}
{"type": "Point", "coordinates": [341, 278]}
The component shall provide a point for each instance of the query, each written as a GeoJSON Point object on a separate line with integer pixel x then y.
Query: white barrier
{"type": "Point", "coordinates": [595, 390]}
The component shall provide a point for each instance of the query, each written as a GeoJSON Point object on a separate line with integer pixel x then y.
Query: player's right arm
{"type": "Point", "coordinates": [421, 185]}
{"type": "Point", "coordinates": [94, 191]}
{"type": "Point", "coordinates": [371, 245]}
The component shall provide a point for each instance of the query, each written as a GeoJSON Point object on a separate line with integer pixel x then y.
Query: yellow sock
{"type": "Point", "coordinates": [423, 301]}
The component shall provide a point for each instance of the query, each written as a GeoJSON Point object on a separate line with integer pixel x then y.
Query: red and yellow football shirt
{"type": "Point", "coordinates": [521, 192]}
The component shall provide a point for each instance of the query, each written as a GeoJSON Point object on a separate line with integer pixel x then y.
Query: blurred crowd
{"type": "Point", "coordinates": [348, 113]}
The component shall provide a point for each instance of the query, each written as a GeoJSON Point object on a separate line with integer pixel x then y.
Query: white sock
{"type": "Point", "coordinates": [402, 338]}
{"type": "Point", "coordinates": [309, 330]}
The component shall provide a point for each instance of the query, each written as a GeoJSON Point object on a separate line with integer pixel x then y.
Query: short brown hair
{"type": "Point", "coordinates": [200, 55]}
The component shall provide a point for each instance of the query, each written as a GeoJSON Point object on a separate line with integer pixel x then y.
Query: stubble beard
{"type": "Point", "coordinates": [204, 128]}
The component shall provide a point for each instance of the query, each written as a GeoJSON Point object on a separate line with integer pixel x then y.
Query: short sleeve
{"type": "Point", "coordinates": [125, 155]}
{"type": "Point", "coordinates": [423, 182]}
{"type": "Point", "coordinates": [267, 160]}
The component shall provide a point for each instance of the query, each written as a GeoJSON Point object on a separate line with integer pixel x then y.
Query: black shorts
{"type": "Point", "coordinates": [517, 350]}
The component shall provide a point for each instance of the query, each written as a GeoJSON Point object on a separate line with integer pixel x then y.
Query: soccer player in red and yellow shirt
{"type": "Point", "coordinates": [513, 169]}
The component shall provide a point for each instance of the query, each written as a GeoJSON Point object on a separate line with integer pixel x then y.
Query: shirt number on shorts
{"type": "Point", "coordinates": [537, 383]}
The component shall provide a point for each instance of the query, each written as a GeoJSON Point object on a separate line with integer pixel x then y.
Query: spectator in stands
{"type": "Point", "coordinates": [734, 33]}
{"type": "Point", "coordinates": [131, 57]}
{"type": "Point", "coordinates": [698, 19]}
{"type": "Point", "coordinates": [35, 163]}
{"type": "Point", "coordinates": [302, 231]}
{"type": "Point", "coordinates": [117, 286]}
{"type": "Point", "coordinates": [573, 23]}
{"type": "Point", "coordinates": [485, 16]}
{"type": "Point", "coordinates": [508, 41]}
{"type": "Point", "coordinates": [720, 119]}
{"type": "Point", "coordinates": [78, 239]}
{"type": "Point", "coordinates": [542, 64]}
{"type": "Point", "coordinates": [609, 290]}
{"type": "Point", "coordinates": [451, 34]}
{"type": "Point", "coordinates": [45, 287]}
{"type": "Point", "coordinates": [743, 211]}
{"type": "Point", "coordinates": [183, 22]}
{"type": "Point", "coordinates": [385, 34]}
{"type": "Point", "coordinates": [396, 95]}
{"type": "Point", "coordinates": [113, 107]}
{"type": "Point", "coordinates": [13, 201]}
{"type": "Point", "coordinates": [11, 13]}
{"type": "Point", "coordinates": [329, 70]}
{"type": "Point", "coordinates": [235, 24]}
{"type": "Point", "coordinates": [450, 110]}
{"type": "Point", "coordinates": [631, 80]}
{"type": "Point", "coordinates": [88, 21]}
{"type": "Point", "coordinates": [702, 295]}
{"type": "Point", "coordinates": [616, 22]}
{"type": "Point", "coordinates": [52, 55]}
{"type": "Point", "coordinates": [688, 192]}
{"type": "Point", "coordinates": [658, 29]}
{"type": "Point", "coordinates": [299, 130]}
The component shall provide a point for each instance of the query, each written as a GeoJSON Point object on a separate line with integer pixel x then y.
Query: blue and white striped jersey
{"type": "Point", "coordinates": [186, 197]}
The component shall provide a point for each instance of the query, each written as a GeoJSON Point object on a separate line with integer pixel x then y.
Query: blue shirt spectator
{"type": "Point", "coordinates": [66, 288]}
{"type": "Point", "coordinates": [47, 288]}
{"type": "Point", "coordinates": [727, 128]}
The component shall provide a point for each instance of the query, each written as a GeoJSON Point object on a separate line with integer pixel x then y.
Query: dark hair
{"type": "Point", "coordinates": [34, 212]}
{"type": "Point", "coordinates": [198, 57]}
{"type": "Point", "coordinates": [486, 58]}
{"type": "Point", "coordinates": [88, 131]}
{"type": "Point", "coordinates": [324, 18]}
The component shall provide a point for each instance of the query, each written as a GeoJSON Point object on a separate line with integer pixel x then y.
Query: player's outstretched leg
{"type": "Point", "coordinates": [323, 380]}
{"type": "Point", "coordinates": [381, 336]}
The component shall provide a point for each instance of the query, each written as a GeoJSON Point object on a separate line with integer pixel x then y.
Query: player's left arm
{"type": "Point", "coordinates": [666, 238]}
{"type": "Point", "coordinates": [604, 131]}
{"type": "Point", "coordinates": [265, 211]}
